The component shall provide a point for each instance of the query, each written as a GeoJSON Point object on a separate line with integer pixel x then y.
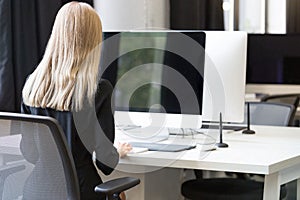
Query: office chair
{"type": "Point", "coordinates": [293, 99]}
{"type": "Point", "coordinates": [52, 176]}
{"type": "Point", "coordinates": [241, 188]}
{"type": "Point", "coordinates": [269, 113]}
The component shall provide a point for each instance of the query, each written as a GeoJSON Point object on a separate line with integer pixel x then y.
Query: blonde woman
{"type": "Point", "coordinates": [66, 82]}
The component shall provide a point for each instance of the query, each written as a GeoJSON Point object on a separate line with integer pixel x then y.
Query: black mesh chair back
{"type": "Point", "coordinates": [36, 162]}
{"type": "Point", "coordinates": [293, 99]}
{"type": "Point", "coordinates": [269, 113]}
{"type": "Point", "coordinates": [283, 98]}
{"type": "Point", "coordinates": [34, 149]}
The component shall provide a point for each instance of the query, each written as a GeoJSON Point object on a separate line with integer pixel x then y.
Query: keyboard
{"type": "Point", "coordinates": [162, 147]}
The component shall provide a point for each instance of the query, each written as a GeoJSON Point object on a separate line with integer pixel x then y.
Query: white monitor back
{"type": "Point", "coordinates": [225, 75]}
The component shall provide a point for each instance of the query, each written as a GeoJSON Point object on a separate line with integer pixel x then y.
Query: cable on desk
{"type": "Point", "coordinates": [202, 133]}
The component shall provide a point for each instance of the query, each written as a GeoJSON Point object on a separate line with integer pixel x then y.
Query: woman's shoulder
{"type": "Point", "coordinates": [104, 92]}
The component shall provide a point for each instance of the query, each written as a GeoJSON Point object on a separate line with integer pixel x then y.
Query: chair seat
{"type": "Point", "coordinates": [224, 189]}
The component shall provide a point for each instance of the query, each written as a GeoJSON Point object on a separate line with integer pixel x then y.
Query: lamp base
{"type": "Point", "coordinates": [221, 145]}
{"type": "Point", "coordinates": [248, 131]}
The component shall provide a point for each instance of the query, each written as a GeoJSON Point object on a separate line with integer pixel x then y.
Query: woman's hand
{"type": "Point", "coordinates": [122, 196]}
{"type": "Point", "coordinates": [123, 149]}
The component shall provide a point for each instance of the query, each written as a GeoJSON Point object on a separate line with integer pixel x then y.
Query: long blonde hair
{"type": "Point", "coordinates": [68, 72]}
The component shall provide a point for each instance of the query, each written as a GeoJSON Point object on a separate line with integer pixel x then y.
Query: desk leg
{"type": "Point", "coordinates": [271, 187]}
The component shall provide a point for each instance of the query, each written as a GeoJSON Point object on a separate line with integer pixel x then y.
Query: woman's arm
{"type": "Point", "coordinates": [28, 145]}
{"type": "Point", "coordinates": [106, 161]}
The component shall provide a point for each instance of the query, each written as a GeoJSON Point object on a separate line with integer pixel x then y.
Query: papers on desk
{"type": "Point", "coordinates": [137, 150]}
{"type": "Point", "coordinates": [139, 134]}
{"type": "Point", "coordinates": [165, 140]}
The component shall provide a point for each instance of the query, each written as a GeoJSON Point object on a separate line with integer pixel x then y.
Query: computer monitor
{"type": "Point", "coordinates": [157, 77]}
{"type": "Point", "coordinates": [273, 62]}
{"type": "Point", "coordinates": [273, 59]}
{"type": "Point", "coordinates": [225, 74]}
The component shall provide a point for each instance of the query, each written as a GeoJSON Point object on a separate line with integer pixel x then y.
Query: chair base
{"type": "Point", "coordinates": [224, 189]}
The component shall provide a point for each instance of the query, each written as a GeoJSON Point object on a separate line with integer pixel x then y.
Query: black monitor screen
{"type": "Point", "coordinates": [273, 59]}
{"type": "Point", "coordinates": [155, 71]}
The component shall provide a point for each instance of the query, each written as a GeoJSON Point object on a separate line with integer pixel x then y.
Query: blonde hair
{"type": "Point", "coordinates": [68, 73]}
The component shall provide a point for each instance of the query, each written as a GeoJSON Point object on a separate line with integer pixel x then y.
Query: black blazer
{"type": "Point", "coordinates": [89, 130]}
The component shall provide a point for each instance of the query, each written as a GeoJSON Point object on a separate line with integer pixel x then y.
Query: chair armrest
{"type": "Point", "coordinates": [117, 185]}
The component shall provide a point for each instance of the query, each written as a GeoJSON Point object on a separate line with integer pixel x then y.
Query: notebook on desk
{"type": "Point", "coordinates": [162, 147]}
{"type": "Point", "coordinates": [225, 126]}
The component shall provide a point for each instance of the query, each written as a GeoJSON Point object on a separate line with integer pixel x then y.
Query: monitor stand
{"type": "Point", "coordinates": [221, 144]}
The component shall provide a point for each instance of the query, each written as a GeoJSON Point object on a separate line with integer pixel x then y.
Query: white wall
{"type": "Point", "coordinates": [228, 9]}
{"type": "Point", "coordinates": [276, 16]}
{"type": "Point", "coordinates": [252, 16]}
{"type": "Point", "coordinates": [133, 14]}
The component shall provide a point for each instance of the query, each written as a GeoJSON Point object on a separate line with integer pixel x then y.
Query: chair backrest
{"type": "Point", "coordinates": [283, 98]}
{"type": "Point", "coordinates": [268, 113]}
{"type": "Point", "coordinates": [293, 99]}
{"type": "Point", "coordinates": [39, 145]}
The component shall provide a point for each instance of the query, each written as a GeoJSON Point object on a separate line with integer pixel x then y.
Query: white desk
{"type": "Point", "coordinates": [272, 151]}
